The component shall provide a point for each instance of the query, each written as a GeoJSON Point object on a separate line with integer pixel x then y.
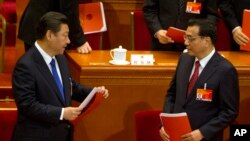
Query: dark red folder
{"type": "Point", "coordinates": [176, 34]}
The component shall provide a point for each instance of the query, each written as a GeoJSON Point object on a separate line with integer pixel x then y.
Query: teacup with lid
{"type": "Point", "coordinates": [118, 54]}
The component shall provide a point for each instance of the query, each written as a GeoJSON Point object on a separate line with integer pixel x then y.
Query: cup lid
{"type": "Point", "coordinates": [120, 49]}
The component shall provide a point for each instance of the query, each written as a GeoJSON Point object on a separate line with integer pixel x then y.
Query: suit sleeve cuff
{"type": "Point", "coordinates": [155, 35]}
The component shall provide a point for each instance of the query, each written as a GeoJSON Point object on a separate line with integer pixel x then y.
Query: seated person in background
{"type": "Point", "coordinates": [161, 14]}
{"type": "Point", "coordinates": [202, 67]}
{"type": "Point", "coordinates": [37, 8]}
{"type": "Point", "coordinates": [232, 12]}
{"type": "Point", "coordinates": [43, 87]}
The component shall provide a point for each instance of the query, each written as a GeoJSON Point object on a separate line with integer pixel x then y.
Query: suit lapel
{"type": "Point", "coordinates": [187, 74]}
{"type": "Point", "coordinates": [184, 74]}
{"type": "Point", "coordinates": [44, 70]}
{"type": "Point", "coordinates": [207, 72]}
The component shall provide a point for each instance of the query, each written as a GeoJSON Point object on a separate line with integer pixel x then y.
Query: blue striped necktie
{"type": "Point", "coordinates": [56, 78]}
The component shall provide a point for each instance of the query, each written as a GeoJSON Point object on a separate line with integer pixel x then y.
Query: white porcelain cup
{"type": "Point", "coordinates": [118, 54]}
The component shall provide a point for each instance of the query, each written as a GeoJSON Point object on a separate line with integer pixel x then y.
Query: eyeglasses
{"type": "Point", "coordinates": [190, 38]}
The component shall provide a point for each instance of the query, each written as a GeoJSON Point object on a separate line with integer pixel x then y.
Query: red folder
{"type": "Point", "coordinates": [246, 28]}
{"type": "Point", "coordinates": [175, 125]}
{"type": "Point", "coordinates": [92, 105]}
{"type": "Point", "coordinates": [176, 34]}
{"type": "Point", "coordinates": [92, 17]}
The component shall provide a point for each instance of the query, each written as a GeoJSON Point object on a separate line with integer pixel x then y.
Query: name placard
{"type": "Point", "coordinates": [142, 59]}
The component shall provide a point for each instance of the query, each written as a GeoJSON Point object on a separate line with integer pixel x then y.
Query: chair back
{"type": "Point", "coordinates": [141, 38]}
{"type": "Point", "coordinates": [2, 47]}
{"type": "Point", "coordinates": [8, 118]}
{"type": "Point", "coordinates": [8, 11]}
{"type": "Point", "coordinates": [223, 36]}
{"type": "Point", "coordinates": [147, 125]}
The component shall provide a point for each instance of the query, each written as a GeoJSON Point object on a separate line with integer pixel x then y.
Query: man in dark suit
{"type": "Point", "coordinates": [161, 14]}
{"type": "Point", "coordinates": [205, 86]}
{"type": "Point", "coordinates": [232, 12]}
{"type": "Point", "coordinates": [37, 8]}
{"type": "Point", "coordinates": [43, 87]}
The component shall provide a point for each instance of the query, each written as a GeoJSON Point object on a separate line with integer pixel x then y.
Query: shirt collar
{"type": "Point", "coordinates": [204, 61]}
{"type": "Point", "coordinates": [45, 55]}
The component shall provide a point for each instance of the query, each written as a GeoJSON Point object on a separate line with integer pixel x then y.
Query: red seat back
{"type": "Point", "coordinates": [8, 117]}
{"type": "Point", "coordinates": [147, 125]}
{"type": "Point", "coordinates": [223, 36]}
{"type": "Point", "coordinates": [94, 40]}
{"type": "Point", "coordinates": [141, 38]}
{"type": "Point", "coordinates": [8, 10]}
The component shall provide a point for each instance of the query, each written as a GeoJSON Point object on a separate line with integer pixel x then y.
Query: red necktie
{"type": "Point", "coordinates": [194, 77]}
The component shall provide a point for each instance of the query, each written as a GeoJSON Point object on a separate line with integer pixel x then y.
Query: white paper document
{"type": "Point", "coordinates": [88, 99]}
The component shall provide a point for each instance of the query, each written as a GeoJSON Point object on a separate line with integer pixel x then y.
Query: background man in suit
{"type": "Point", "coordinates": [232, 11]}
{"type": "Point", "coordinates": [44, 107]}
{"type": "Point", "coordinates": [37, 8]}
{"type": "Point", "coordinates": [161, 14]}
{"type": "Point", "coordinates": [208, 114]}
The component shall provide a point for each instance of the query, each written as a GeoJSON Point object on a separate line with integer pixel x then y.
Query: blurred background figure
{"type": "Point", "coordinates": [36, 9]}
{"type": "Point", "coordinates": [161, 14]}
{"type": "Point", "coordinates": [232, 11]}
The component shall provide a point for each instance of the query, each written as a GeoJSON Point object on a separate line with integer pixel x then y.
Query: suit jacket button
{"type": "Point", "coordinates": [68, 126]}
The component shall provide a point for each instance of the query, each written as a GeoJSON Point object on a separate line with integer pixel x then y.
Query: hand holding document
{"type": "Point", "coordinates": [175, 125]}
{"type": "Point", "coordinates": [91, 102]}
{"type": "Point", "coordinates": [88, 99]}
{"type": "Point", "coordinates": [176, 34]}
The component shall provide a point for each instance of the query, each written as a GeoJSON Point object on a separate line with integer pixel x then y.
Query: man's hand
{"type": "Point", "coordinates": [163, 134]}
{"type": "Point", "coordinates": [193, 136]}
{"type": "Point", "coordinates": [105, 92]}
{"type": "Point", "coordinates": [162, 37]}
{"type": "Point", "coordinates": [71, 113]}
{"type": "Point", "coordinates": [239, 37]}
{"type": "Point", "coordinates": [85, 48]}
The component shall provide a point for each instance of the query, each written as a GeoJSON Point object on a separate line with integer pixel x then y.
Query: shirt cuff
{"type": "Point", "coordinates": [62, 112]}
{"type": "Point", "coordinates": [235, 28]}
{"type": "Point", "coordinates": [155, 35]}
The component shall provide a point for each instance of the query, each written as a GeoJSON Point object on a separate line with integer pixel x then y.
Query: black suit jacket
{"type": "Point", "coordinates": [210, 117]}
{"type": "Point", "coordinates": [160, 14]}
{"type": "Point", "coordinates": [37, 8]}
{"type": "Point", "coordinates": [38, 99]}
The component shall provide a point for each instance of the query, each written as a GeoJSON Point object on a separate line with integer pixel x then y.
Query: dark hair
{"type": "Point", "coordinates": [50, 21]}
{"type": "Point", "coordinates": [207, 28]}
